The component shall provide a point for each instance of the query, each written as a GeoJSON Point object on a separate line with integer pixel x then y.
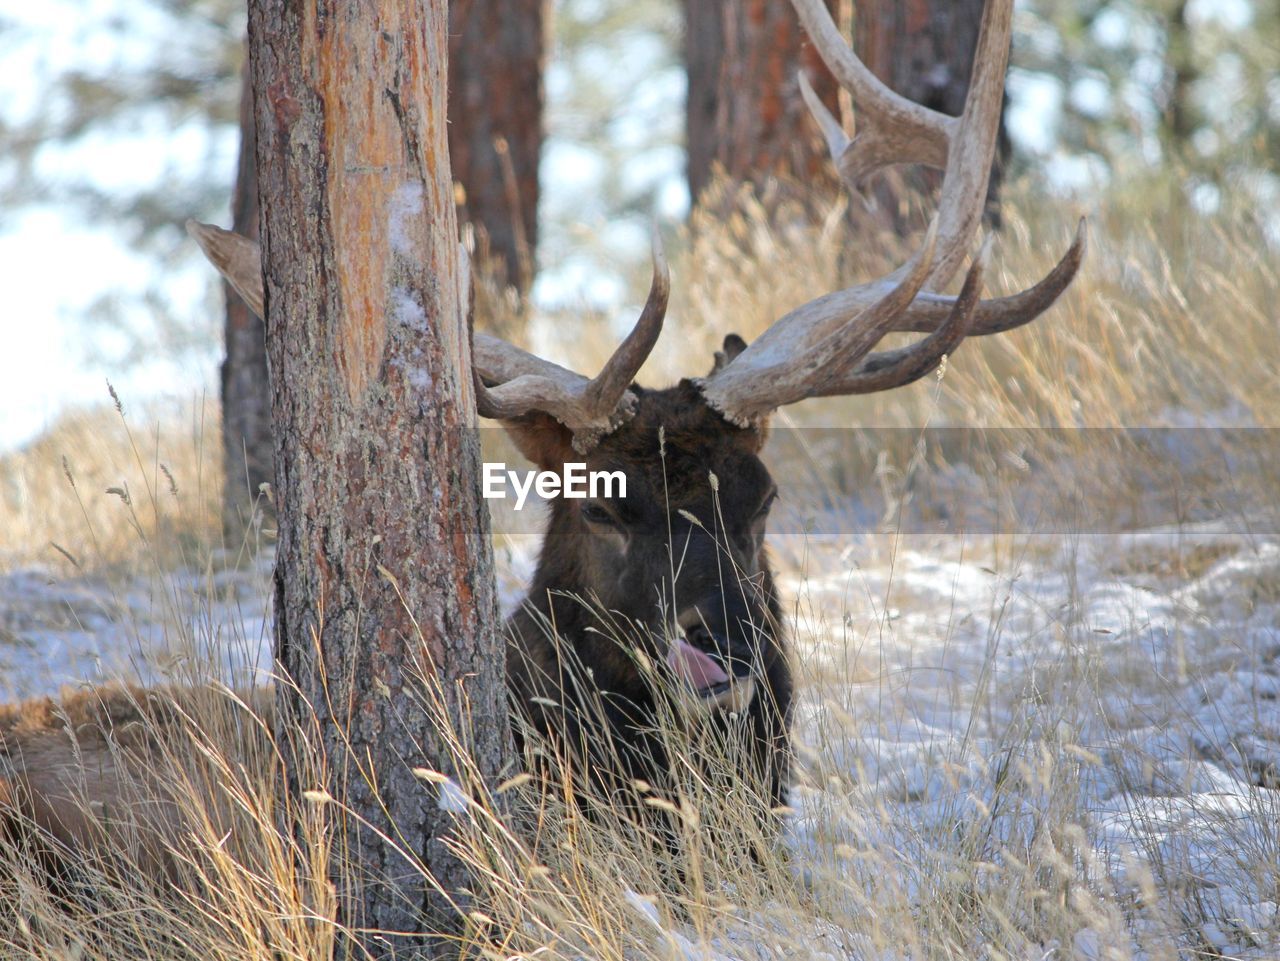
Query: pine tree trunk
{"type": "Point", "coordinates": [744, 110]}
{"type": "Point", "coordinates": [1179, 113]}
{"type": "Point", "coordinates": [496, 51]}
{"type": "Point", "coordinates": [246, 399]}
{"type": "Point", "coordinates": [376, 458]}
{"type": "Point", "coordinates": [923, 49]}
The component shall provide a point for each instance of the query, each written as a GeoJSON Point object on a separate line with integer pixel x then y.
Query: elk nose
{"type": "Point", "coordinates": [701, 637]}
{"type": "Point", "coordinates": [735, 660]}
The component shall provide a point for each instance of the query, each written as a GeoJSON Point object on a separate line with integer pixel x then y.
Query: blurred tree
{"type": "Point", "coordinates": [923, 49]}
{"type": "Point", "coordinates": [1099, 88]}
{"type": "Point", "coordinates": [1179, 113]}
{"type": "Point", "coordinates": [1127, 85]}
{"type": "Point", "coordinates": [186, 65]}
{"type": "Point", "coordinates": [613, 152]}
{"type": "Point", "coordinates": [385, 588]}
{"type": "Point", "coordinates": [130, 123]}
{"type": "Point", "coordinates": [246, 393]}
{"type": "Point", "coordinates": [744, 112]}
{"type": "Point", "coordinates": [496, 55]}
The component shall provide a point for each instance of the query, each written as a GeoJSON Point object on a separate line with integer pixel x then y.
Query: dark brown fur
{"type": "Point", "coordinates": [604, 588]}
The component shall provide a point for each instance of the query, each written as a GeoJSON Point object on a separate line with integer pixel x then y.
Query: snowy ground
{"type": "Point", "coordinates": [57, 630]}
{"type": "Point", "coordinates": [1107, 708]}
{"type": "Point", "coordinates": [1104, 709]}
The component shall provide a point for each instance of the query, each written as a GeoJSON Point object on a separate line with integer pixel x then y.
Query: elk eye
{"type": "Point", "coordinates": [768, 502]}
{"type": "Point", "coordinates": [595, 514]}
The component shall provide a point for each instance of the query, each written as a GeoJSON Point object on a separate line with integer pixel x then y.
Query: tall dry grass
{"type": "Point", "coordinates": [1006, 864]}
{"type": "Point", "coordinates": [108, 490]}
{"type": "Point", "coordinates": [1172, 311]}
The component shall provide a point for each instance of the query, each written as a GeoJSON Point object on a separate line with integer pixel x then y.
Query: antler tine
{"type": "Point", "coordinates": [521, 383]}
{"type": "Point", "coordinates": [509, 382]}
{"type": "Point", "coordinates": [486, 405]}
{"type": "Point", "coordinates": [973, 144]}
{"type": "Point", "coordinates": [745, 392]}
{"type": "Point", "coordinates": [793, 359]}
{"type": "Point", "coordinates": [237, 259]}
{"type": "Point", "coordinates": [513, 383]}
{"type": "Point", "coordinates": [591, 409]}
{"type": "Point", "coordinates": [891, 128]}
{"type": "Point", "coordinates": [998, 314]}
{"type": "Point", "coordinates": [894, 130]}
{"type": "Point", "coordinates": [612, 382]}
{"type": "Point", "coordinates": [837, 140]}
{"type": "Point", "coordinates": [893, 368]}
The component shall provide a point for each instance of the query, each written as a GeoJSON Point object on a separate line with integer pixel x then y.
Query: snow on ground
{"type": "Point", "coordinates": [57, 630]}
{"type": "Point", "coordinates": [1113, 701]}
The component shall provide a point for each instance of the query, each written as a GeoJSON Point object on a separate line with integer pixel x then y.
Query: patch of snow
{"type": "Point", "coordinates": [56, 630]}
{"type": "Point", "coordinates": [406, 311]}
{"type": "Point", "coordinates": [951, 693]}
{"type": "Point", "coordinates": [405, 208]}
{"type": "Point", "coordinates": [452, 798]}
{"type": "Point", "coordinates": [1145, 716]}
{"type": "Point", "coordinates": [416, 374]}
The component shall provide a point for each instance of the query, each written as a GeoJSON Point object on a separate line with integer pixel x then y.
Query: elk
{"type": "Point", "coordinates": [669, 594]}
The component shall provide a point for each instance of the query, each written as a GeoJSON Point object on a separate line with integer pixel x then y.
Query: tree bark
{"type": "Point", "coordinates": [376, 457]}
{"type": "Point", "coordinates": [923, 49]}
{"type": "Point", "coordinates": [246, 399]}
{"type": "Point", "coordinates": [1179, 113]}
{"type": "Point", "coordinates": [744, 110]}
{"type": "Point", "coordinates": [496, 52]}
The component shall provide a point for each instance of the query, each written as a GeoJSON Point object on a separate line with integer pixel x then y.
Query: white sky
{"type": "Point", "coordinates": [53, 270]}
{"type": "Point", "coordinates": [53, 267]}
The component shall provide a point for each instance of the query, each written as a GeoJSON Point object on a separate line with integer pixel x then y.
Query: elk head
{"type": "Point", "coordinates": [682, 547]}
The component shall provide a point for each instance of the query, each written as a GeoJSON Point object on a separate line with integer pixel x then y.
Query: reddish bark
{"type": "Point", "coordinates": [496, 53]}
{"type": "Point", "coordinates": [923, 49]}
{"type": "Point", "coordinates": [377, 464]}
{"type": "Point", "coordinates": [744, 108]}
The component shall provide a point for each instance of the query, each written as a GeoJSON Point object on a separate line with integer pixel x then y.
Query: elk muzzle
{"type": "Point", "coordinates": [714, 665]}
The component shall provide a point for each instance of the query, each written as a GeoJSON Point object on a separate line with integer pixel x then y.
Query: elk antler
{"type": "Point", "coordinates": [516, 382]}
{"type": "Point", "coordinates": [510, 382]}
{"type": "Point", "coordinates": [822, 348]}
{"type": "Point", "coordinates": [237, 258]}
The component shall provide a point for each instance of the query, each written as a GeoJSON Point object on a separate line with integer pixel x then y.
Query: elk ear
{"type": "Point", "coordinates": [733, 346]}
{"type": "Point", "coordinates": [542, 439]}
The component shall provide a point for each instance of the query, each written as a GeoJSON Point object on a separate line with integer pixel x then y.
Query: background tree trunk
{"type": "Point", "coordinates": [496, 52]}
{"type": "Point", "coordinates": [376, 458]}
{"type": "Point", "coordinates": [246, 398]}
{"type": "Point", "coordinates": [923, 49]}
{"type": "Point", "coordinates": [1179, 121]}
{"type": "Point", "coordinates": [744, 109]}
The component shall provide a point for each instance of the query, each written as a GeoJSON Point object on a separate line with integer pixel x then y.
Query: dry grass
{"type": "Point", "coordinates": [1170, 312]}
{"type": "Point", "coordinates": [1005, 862]}
{"type": "Point", "coordinates": [101, 491]}
{"type": "Point", "coordinates": [1172, 321]}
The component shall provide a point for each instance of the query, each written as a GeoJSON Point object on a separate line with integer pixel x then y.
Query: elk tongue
{"type": "Point", "coordinates": [694, 666]}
